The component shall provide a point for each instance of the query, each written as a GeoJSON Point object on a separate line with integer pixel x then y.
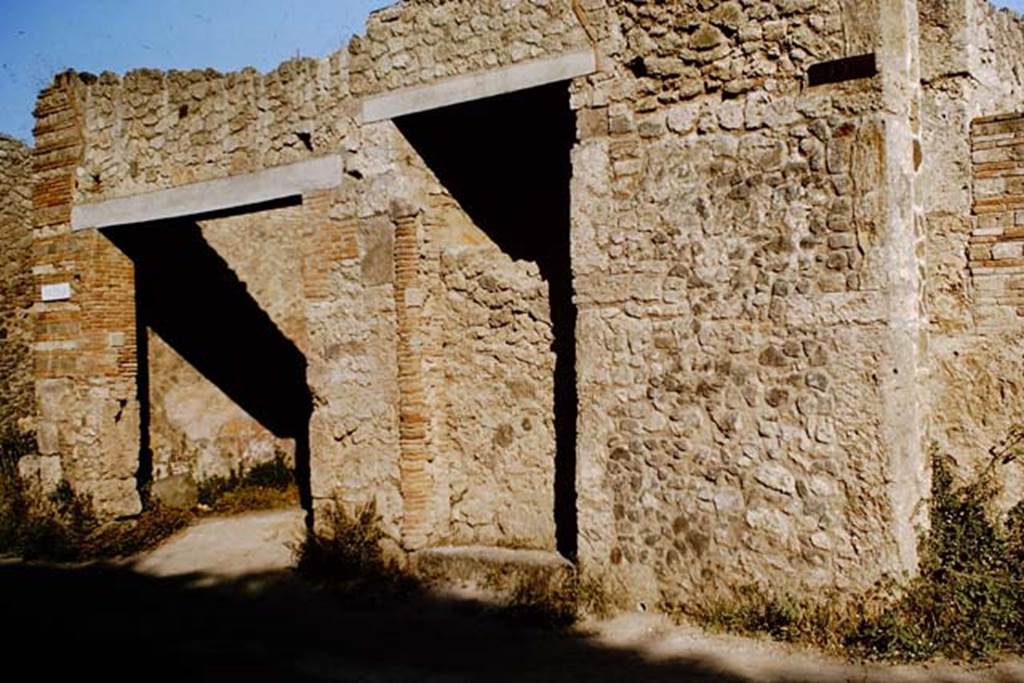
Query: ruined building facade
{"type": "Point", "coordinates": [683, 291]}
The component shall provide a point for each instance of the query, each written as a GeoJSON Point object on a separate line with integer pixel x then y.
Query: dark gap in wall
{"type": "Point", "coordinates": [144, 475]}
{"type": "Point", "coordinates": [188, 295]}
{"type": "Point", "coordinates": [506, 160]}
{"type": "Point", "coordinates": [844, 69]}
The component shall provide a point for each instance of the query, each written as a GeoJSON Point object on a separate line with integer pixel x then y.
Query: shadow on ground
{"type": "Point", "coordinates": [112, 624]}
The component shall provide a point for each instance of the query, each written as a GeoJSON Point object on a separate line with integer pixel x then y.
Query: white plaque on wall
{"type": "Point", "coordinates": [59, 291]}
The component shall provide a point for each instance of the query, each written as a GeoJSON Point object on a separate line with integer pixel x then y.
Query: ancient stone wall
{"type": "Point", "coordinates": [150, 129]}
{"type": "Point", "coordinates": [17, 398]}
{"type": "Point", "coordinates": [745, 270]}
{"type": "Point", "coordinates": [972, 70]}
{"type": "Point", "coordinates": [84, 341]}
{"type": "Point", "coordinates": [746, 258]}
{"type": "Point", "coordinates": [997, 39]}
{"type": "Point", "coordinates": [499, 373]}
{"type": "Point", "coordinates": [420, 41]}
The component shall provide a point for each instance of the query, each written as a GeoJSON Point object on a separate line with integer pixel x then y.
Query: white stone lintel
{"type": "Point", "coordinates": [477, 86]}
{"type": "Point", "coordinates": [279, 182]}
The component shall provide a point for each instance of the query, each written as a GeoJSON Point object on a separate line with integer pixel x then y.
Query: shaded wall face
{"type": "Point", "coordinates": [220, 386]}
{"type": "Point", "coordinates": [16, 286]}
{"type": "Point", "coordinates": [196, 428]}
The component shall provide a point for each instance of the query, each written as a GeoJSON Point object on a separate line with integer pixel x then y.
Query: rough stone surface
{"type": "Point", "coordinates": [16, 285]}
{"type": "Point", "coordinates": [498, 338]}
{"type": "Point", "coordinates": [475, 570]}
{"type": "Point", "coordinates": [973, 76]}
{"type": "Point", "coordinates": [178, 491]}
{"type": "Point", "coordinates": [783, 292]}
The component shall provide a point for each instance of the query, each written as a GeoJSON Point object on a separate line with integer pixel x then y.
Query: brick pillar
{"type": "Point", "coordinates": [84, 328]}
{"type": "Point", "coordinates": [996, 249]}
{"type": "Point", "coordinates": [416, 482]}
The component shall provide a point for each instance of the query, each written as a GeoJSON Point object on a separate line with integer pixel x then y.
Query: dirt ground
{"type": "Point", "coordinates": [219, 602]}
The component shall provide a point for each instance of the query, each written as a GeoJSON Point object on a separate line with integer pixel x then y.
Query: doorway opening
{"type": "Point", "coordinates": [506, 161]}
{"type": "Point", "coordinates": [211, 360]}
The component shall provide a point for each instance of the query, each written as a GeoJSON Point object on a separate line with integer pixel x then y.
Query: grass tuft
{"type": "Point", "coordinates": [347, 556]}
{"type": "Point", "coordinates": [558, 603]}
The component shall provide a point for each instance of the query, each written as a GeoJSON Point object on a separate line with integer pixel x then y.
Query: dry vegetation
{"type": "Point", "coordinates": [62, 526]}
{"type": "Point", "coordinates": [346, 556]}
{"type": "Point", "coordinates": [966, 604]}
{"type": "Point", "coordinates": [265, 486]}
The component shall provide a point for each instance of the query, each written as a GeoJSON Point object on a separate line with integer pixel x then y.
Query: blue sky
{"type": "Point", "coordinates": [41, 37]}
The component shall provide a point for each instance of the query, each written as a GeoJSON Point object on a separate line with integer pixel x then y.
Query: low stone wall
{"type": "Point", "coordinates": [17, 400]}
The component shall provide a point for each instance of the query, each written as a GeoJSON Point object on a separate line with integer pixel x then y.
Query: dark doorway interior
{"type": "Point", "coordinates": [506, 160]}
{"type": "Point", "coordinates": [189, 296]}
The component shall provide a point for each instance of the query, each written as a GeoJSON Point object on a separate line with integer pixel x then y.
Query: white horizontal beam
{"type": "Point", "coordinates": [477, 86]}
{"type": "Point", "coordinates": [270, 184]}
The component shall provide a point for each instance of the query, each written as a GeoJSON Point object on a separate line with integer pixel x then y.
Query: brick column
{"type": "Point", "coordinates": [996, 249]}
{"type": "Point", "coordinates": [84, 332]}
{"type": "Point", "coordinates": [416, 482]}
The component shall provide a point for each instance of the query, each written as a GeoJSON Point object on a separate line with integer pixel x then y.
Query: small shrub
{"type": "Point", "coordinates": [348, 554]}
{"type": "Point", "coordinates": [248, 498]}
{"type": "Point", "coordinates": [123, 539]}
{"type": "Point", "coordinates": [214, 488]}
{"type": "Point", "coordinates": [753, 609]}
{"type": "Point", "coordinates": [14, 502]}
{"type": "Point", "coordinates": [968, 601]}
{"type": "Point", "coordinates": [274, 474]}
{"type": "Point", "coordinates": [537, 600]}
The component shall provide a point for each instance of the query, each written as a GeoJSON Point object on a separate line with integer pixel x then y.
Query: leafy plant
{"type": "Point", "coordinates": [968, 601]}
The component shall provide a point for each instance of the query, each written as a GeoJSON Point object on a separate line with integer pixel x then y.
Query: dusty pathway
{"type": "Point", "coordinates": [218, 602]}
{"type": "Point", "coordinates": [229, 547]}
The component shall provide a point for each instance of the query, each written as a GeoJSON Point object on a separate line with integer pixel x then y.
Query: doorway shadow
{"type": "Point", "coordinates": [506, 161]}
{"type": "Point", "coordinates": [188, 295]}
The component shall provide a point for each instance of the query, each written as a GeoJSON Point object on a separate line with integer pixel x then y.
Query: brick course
{"type": "Point", "coordinates": [996, 245]}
